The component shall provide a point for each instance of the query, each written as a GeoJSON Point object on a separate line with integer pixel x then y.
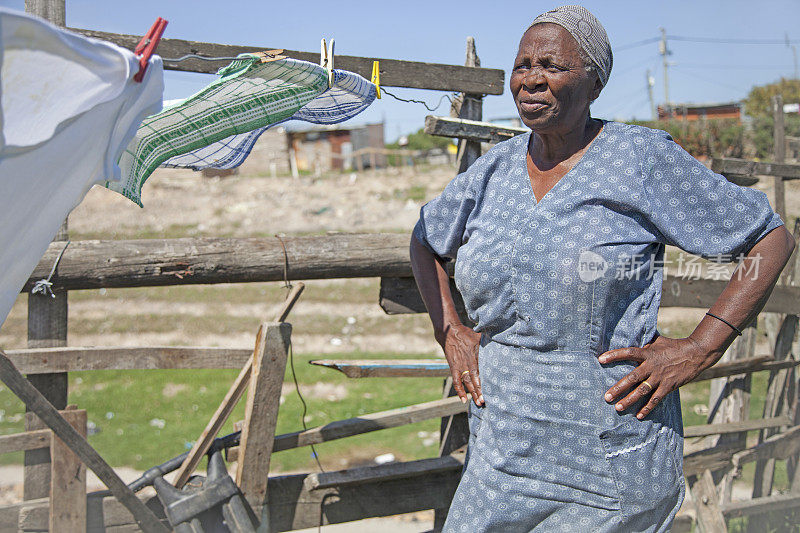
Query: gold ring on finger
{"type": "Point", "coordinates": [649, 387]}
{"type": "Point", "coordinates": [464, 372]}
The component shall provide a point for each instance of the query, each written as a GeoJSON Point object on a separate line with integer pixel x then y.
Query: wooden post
{"type": "Point", "coordinates": [68, 485]}
{"type": "Point", "coordinates": [733, 404]}
{"type": "Point", "coordinates": [47, 319]}
{"type": "Point", "coordinates": [779, 136]}
{"type": "Point", "coordinates": [704, 496]}
{"type": "Point", "coordinates": [454, 430]}
{"type": "Point", "coordinates": [261, 413]}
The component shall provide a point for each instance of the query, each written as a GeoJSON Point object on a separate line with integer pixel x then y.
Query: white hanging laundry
{"type": "Point", "coordinates": [348, 96]}
{"type": "Point", "coordinates": [69, 106]}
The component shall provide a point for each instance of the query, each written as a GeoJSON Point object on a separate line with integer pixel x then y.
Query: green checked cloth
{"type": "Point", "coordinates": [248, 95]}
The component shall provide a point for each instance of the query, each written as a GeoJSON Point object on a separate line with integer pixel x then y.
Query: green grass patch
{"type": "Point", "coordinates": [142, 418]}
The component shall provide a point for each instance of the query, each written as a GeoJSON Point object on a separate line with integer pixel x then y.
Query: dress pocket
{"type": "Point", "coordinates": [642, 457]}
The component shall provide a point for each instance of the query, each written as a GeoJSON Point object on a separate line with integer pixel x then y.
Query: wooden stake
{"type": "Point", "coordinates": [68, 479]}
{"type": "Point", "coordinates": [261, 414]}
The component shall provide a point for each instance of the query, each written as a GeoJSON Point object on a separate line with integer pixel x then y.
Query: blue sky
{"type": "Point", "coordinates": [436, 32]}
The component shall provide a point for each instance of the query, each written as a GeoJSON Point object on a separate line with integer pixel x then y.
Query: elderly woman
{"type": "Point", "coordinates": [559, 237]}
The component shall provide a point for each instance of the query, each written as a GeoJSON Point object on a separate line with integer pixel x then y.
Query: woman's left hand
{"type": "Point", "coordinates": [664, 365]}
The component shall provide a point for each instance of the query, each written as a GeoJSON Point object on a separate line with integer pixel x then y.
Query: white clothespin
{"type": "Point", "coordinates": [326, 59]}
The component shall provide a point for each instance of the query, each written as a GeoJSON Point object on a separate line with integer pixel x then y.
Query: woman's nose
{"type": "Point", "coordinates": [533, 77]}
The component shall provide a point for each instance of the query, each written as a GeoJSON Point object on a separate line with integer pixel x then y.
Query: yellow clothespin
{"type": "Point", "coordinates": [376, 78]}
{"type": "Point", "coordinates": [326, 59]}
{"type": "Point", "coordinates": [271, 55]}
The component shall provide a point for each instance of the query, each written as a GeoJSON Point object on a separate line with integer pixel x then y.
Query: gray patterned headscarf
{"type": "Point", "coordinates": [589, 33]}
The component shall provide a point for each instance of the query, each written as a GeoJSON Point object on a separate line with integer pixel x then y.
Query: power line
{"type": "Point", "coordinates": [716, 40]}
{"type": "Point", "coordinates": [636, 44]}
{"type": "Point", "coordinates": [717, 66]}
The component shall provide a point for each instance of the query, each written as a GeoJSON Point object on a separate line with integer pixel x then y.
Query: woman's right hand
{"type": "Point", "coordinates": [460, 345]}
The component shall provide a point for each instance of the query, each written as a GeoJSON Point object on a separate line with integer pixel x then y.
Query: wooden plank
{"type": "Point", "coordinates": [370, 422]}
{"type": "Point", "coordinates": [769, 504]}
{"type": "Point", "coordinates": [729, 166]}
{"type": "Point", "coordinates": [155, 262]}
{"type": "Point", "coordinates": [399, 295]}
{"type": "Point", "coordinates": [72, 359]}
{"type": "Point", "coordinates": [471, 130]}
{"type": "Point", "coordinates": [704, 496]}
{"type": "Point", "coordinates": [68, 480]}
{"type": "Point", "coordinates": [780, 446]}
{"type": "Point", "coordinates": [381, 473]}
{"type": "Point", "coordinates": [30, 440]}
{"type": "Point", "coordinates": [394, 72]}
{"type": "Point", "coordinates": [261, 413]}
{"type": "Point", "coordinates": [39, 405]}
{"type": "Point", "coordinates": [382, 368]}
{"type": "Point", "coordinates": [735, 427]}
{"type": "Point", "coordinates": [368, 368]}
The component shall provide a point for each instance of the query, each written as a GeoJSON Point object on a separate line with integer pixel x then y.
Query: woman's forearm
{"type": "Point", "coordinates": [744, 295]}
{"type": "Point", "coordinates": [433, 282]}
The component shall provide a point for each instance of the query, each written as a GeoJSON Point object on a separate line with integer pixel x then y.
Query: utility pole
{"type": "Point", "coordinates": [794, 53]}
{"type": "Point", "coordinates": [664, 51]}
{"type": "Point", "coordinates": [651, 81]}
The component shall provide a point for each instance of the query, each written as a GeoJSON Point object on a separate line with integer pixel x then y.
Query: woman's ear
{"type": "Point", "coordinates": [598, 86]}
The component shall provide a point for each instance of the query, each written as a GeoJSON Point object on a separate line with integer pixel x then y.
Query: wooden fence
{"type": "Point", "coordinates": [308, 500]}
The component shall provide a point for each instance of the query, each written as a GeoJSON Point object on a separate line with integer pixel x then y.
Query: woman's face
{"type": "Point", "coordinates": [551, 87]}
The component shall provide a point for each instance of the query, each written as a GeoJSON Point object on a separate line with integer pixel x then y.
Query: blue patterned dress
{"type": "Point", "coordinates": [552, 285]}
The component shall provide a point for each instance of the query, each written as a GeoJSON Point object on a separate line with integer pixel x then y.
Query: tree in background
{"type": "Point", "coordinates": [705, 138]}
{"type": "Point", "coordinates": [422, 141]}
{"type": "Point", "coordinates": [758, 106]}
{"type": "Point", "coordinates": [417, 141]}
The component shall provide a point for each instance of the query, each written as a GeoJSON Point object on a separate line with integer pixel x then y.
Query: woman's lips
{"type": "Point", "coordinates": [532, 107]}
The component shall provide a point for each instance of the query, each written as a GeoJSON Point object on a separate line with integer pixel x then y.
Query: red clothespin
{"type": "Point", "coordinates": [148, 45]}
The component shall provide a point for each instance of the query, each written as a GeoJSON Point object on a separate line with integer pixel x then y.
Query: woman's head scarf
{"type": "Point", "coordinates": [589, 33]}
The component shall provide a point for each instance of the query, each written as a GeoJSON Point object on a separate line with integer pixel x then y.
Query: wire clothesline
{"type": "Point", "coordinates": [223, 58]}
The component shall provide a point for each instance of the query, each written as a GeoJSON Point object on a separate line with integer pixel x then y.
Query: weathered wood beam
{"type": "Point", "coordinates": [400, 295]}
{"type": "Point", "coordinates": [394, 72]}
{"type": "Point", "coordinates": [29, 440]}
{"type": "Point", "coordinates": [706, 503]}
{"type": "Point", "coordinates": [367, 474]}
{"type": "Point", "coordinates": [381, 368]}
{"type": "Point", "coordinates": [156, 262]}
{"type": "Point", "coordinates": [779, 446]}
{"type": "Point", "coordinates": [261, 411]}
{"type": "Point", "coordinates": [735, 427]}
{"type": "Point", "coordinates": [370, 422]}
{"type": "Point", "coordinates": [744, 168]}
{"type": "Point", "coordinates": [470, 130]}
{"type": "Point", "coordinates": [73, 359]}
{"type": "Point", "coordinates": [429, 368]}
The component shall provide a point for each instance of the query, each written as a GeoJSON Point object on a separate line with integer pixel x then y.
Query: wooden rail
{"type": "Point", "coordinates": [472, 130]}
{"type": "Point", "coordinates": [399, 295]}
{"type": "Point", "coordinates": [394, 72]}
